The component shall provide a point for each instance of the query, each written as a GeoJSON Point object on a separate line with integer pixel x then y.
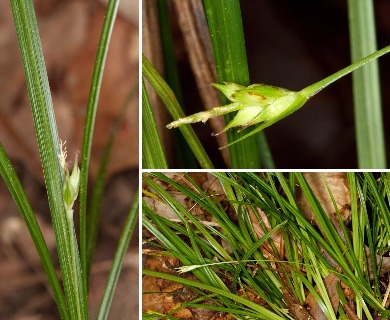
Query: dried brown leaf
{"type": "Point", "coordinates": [338, 185]}
{"type": "Point", "coordinates": [295, 309]}
{"type": "Point", "coordinates": [277, 237]}
{"type": "Point", "coordinates": [313, 307]}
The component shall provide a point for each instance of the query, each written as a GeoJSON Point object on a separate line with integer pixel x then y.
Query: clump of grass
{"type": "Point", "coordinates": [284, 277]}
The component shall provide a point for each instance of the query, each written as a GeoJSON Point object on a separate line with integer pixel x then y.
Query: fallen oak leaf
{"type": "Point", "coordinates": [339, 188]}
{"type": "Point", "coordinates": [384, 266]}
{"type": "Point", "coordinates": [261, 228]}
{"type": "Point", "coordinates": [319, 183]}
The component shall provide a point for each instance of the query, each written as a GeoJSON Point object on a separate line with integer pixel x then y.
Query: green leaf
{"type": "Point", "coordinates": [124, 240]}
{"type": "Point", "coordinates": [227, 36]}
{"type": "Point", "coordinates": [100, 183]}
{"type": "Point", "coordinates": [153, 156]}
{"type": "Point", "coordinates": [262, 312]}
{"type": "Point", "coordinates": [371, 148]}
{"type": "Point", "coordinates": [183, 154]}
{"type": "Point", "coordinates": [167, 96]}
{"type": "Point", "coordinates": [15, 188]}
{"type": "Point", "coordinates": [108, 24]}
{"type": "Point", "coordinates": [49, 149]}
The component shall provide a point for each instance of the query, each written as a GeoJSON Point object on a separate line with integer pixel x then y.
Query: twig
{"type": "Point", "coordinates": [386, 301]}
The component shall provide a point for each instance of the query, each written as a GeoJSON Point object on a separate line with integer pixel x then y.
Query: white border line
{"type": "Point", "coordinates": [140, 159]}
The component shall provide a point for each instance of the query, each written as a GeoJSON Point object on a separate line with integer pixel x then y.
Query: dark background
{"type": "Point", "coordinates": [295, 43]}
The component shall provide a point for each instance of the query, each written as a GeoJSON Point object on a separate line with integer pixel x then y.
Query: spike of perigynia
{"type": "Point", "coordinates": [71, 185]}
{"type": "Point", "coordinates": [251, 103]}
{"type": "Point", "coordinates": [228, 89]}
{"type": "Point", "coordinates": [265, 105]}
{"type": "Point", "coordinates": [71, 180]}
{"type": "Point", "coordinates": [243, 116]}
{"type": "Point", "coordinates": [205, 115]}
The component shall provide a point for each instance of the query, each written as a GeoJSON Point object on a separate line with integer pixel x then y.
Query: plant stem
{"type": "Point", "coordinates": [75, 262]}
{"type": "Point", "coordinates": [108, 24]}
{"type": "Point", "coordinates": [318, 86]}
{"type": "Point", "coordinates": [49, 149]}
{"type": "Point", "coordinates": [15, 188]}
{"type": "Point", "coordinates": [168, 97]}
{"type": "Point", "coordinates": [227, 36]}
{"type": "Point", "coordinates": [153, 156]}
{"type": "Point", "coordinates": [124, 240]}
{"type": "Point", "coordinates": [366, 87]}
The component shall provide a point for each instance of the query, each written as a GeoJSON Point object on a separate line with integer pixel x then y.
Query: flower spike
{"type": "Point", "coordinates": [265, 105]}
{"type": "Point", "coordinates": [256, 103]}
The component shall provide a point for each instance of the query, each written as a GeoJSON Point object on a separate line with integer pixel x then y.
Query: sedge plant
{"type": "Point", "coordinates": [284, 278]}
{"type": "Point", "coordinates": [63, 185]}
{"type": "Point", "coordinates": [250, 108]}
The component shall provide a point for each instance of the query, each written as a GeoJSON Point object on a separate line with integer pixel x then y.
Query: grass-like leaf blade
{"type": "Point", "coordinates": [14, 186]}
{"type": "Point", "coordinates": [108, 24]}
{"type": "Point", "coordinates": [371, 149]}
{"type": "Point", "coordinates": [227, 36]}
{"type": "Point", "coordinates": [49, 149]}
{"type": "Point", "coordinates": [167, 96]}
{"type": "Point", "coordinates": [124, 240]}
{"type": "Point", "coordinates": [153, 156]}
{"type": "Point", "coordinates": [100, 183]}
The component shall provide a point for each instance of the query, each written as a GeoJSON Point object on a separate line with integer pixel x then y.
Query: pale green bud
{"type": "Point", "coordinates": [258, 94]}
{"type": "Point", "coordinates": [257, 103]}
{"type": "Point", "coordinates": [71, 185]}
{"type": "Point", "coordinates": [280, 108]}
{"type": "Point", "coordinates": [261, 103]}
{"type": "Point", "coordinates": [228, 89]}
{"type": "Point", "coordinates": [242, 117]}
{"type": "Point", "coordinates": [71, 181]}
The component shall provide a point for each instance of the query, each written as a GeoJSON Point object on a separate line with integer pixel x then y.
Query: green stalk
{"type": "Point", "coordinates": [74, 259]}
{"type": "Point", "coordinates": [168, 98]}
{"type": "Point", "coordinates": [366, 87]}
{"type": "Point", "coordinates": [97, 76]}
{"type": "Point", "coordinates": [322, 84]}
{"type": "Point", "coordinates": [15, 188]}
{"type": "Point", "coordinates": [312, 90]}
{"type": "Point", "coordinates": [153, 156]}
{"type": "Point", "coordinates": [49, 149]}
{"type": "Point", "coordinates": [100, 183]}
{"type": "Point", "coordinates": [124, 240]}
{"type": "Point", "coordinates": [227, 36]}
